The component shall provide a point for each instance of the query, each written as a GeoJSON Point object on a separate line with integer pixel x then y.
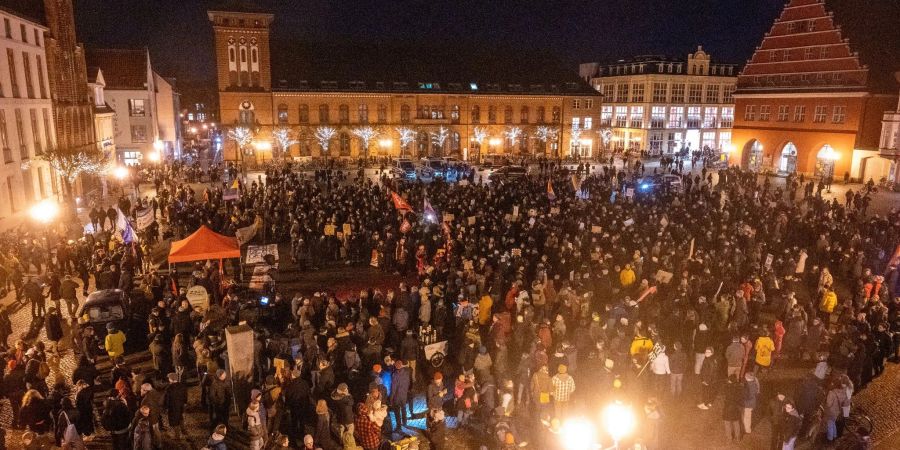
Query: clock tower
{"type": "Point", "coordinates": [242, 49]}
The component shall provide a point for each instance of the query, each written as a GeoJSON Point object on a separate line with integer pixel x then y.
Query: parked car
{"type": "Point", "coordinates": [507, 173]}
{"type": "Point", "coordinates": [404, 169]}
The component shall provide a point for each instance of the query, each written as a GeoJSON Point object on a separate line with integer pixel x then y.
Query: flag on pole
{"type": "Point", "coordinates": [399, 203]}
{"type": "Point", "coordinates": [429, 212]}
{"type": "Point", "coordinates": [233, 192]}
{"type": "Point", "coordinates": [128, 235]}
{"type": "Point", "coordinates": [550, 194]}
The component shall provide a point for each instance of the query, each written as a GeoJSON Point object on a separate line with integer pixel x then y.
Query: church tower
{"type": "Point", "coordinates": [242, 49]}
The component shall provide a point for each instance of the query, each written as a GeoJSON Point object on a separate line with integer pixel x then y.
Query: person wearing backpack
{"type": "Point", "coordinates": [115, 420]}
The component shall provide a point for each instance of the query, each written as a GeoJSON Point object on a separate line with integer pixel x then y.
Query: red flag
{"type": "Point", "coordinates": [550, 193]}
{"type": "Point", "coordinates": [399, 203]}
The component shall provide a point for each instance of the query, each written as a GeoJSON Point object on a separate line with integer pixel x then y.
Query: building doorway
{"type": "Point", "coordinates": [692, 140]}
{"type": "Point", "coordinates": [788, 164]}
{"type": "Point", "coordinates": [753, 155]}
{"type": "Point", "coordinates": [825, 162]}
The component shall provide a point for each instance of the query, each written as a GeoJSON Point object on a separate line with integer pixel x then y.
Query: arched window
{"type": "Point", "coordinates": [304, 113]}
{"type": "Point", "coordinates": [363, 113]}
{"type": "Point", "coordinates": [247, 117]}
{"type": "Point", "coordinates": [423, 143]}
{"type": "Point", "coordinates": [404, 114]}
{"type": "Point", "coordinates": [476, 114]}
{"type": "Point", "coordinates": [344, 114]}
{"type": "Point", "coordinates": [382, 113]}
{"type": "Point", "coordinates": [508, 115]}
{"type": "Point", "coordinates": [556, 114]}
{"type": "Point", "coordinates": [523, 119]}
{"type": "Point", "coordinates": [323, 113]}
{"type": "Point", "coordinates": [454, 143]}
{"type": "Point", "coordinates": [282, 114]}
{"type": "Point", "coordinates": [243, 55]}
{"type": "Point", "coordinates": [345, 144]}
{"type": "Point", "coordinates": [492, 114]}
{"type": "Point", "coordinates": [231, 54]}
{"type": "Point", "coordinates": [253, 55]}
{"type": "Point", "coordinates": [454, 114]}
{"type": "Point", "coordinates": [825, 162]}
{"type": "Point", "coordinates": [788, 163]}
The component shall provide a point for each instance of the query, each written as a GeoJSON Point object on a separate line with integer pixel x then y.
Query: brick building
{"type": "Point", "coordinates": [72, 105]}
{"type": "Point", "coordinates": [812, 97]}
{"type": "Point", "coordinates": [448, 109]}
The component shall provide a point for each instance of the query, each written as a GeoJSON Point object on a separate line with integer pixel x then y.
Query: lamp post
{"type": "Point", "coordinates": [727, 151]}
{"type": "Point", "coordinates": [578, 433]}
{"type": "Point", "coordinates": [262, 146]}
{"type": "Point", "coordinates": [385, 145]}
{"type": "Point", "coordinates": [831, 156]}
{"type": "Point", "coordinates": [494, 143]}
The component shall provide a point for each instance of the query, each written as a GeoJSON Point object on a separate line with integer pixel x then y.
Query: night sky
{"type": "Point", "coordinates": [180, 37]}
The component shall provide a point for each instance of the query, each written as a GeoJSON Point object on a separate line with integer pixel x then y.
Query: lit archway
{"type": "Point", "coordinates": [788, 162]}
{"type": "Point", "coordinates": [753, 155]}
{"type": "Point", "coordinates": [825, 159]}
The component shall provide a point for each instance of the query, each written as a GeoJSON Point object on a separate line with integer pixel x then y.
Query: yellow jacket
{"type": "Point", "coordinates": [764, 348]}
{"type": "Point", "coordinates": [829, 301]}
{"type": "Point", "coordinates": [484, 309]}
{"type": "Point", "coordinates": [115, 344]}
{"type": "Point", "coordinates": [641, 345]}
{"type": "Point", "coordinates": [627, 277]}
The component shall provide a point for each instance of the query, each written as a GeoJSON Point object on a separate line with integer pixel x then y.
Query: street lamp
{"type": "Point", "coordinates": [385, 145]}
{"type": "Point", "coordinates": [262, 147]}
{"type": "Point", "coordinates": [619, 422]}
{"type": "Point", "coordinates": [577, 433]}
{"type": "Point", "coordinates": [727, 151]}
{"type": "Point", "coordinates": [44, 212]}
{"type": "Point", "coordinates": [120, 172]}
{"type": "Point", "coordinates": [494, 143]}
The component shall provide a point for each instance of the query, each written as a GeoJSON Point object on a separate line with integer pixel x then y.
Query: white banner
{"type": "Point", "coordinates": [256, 253]}
{"type": "Point", "coordinates": [244, 235]}
{"type": "Point", "coordinates": [144, 218]}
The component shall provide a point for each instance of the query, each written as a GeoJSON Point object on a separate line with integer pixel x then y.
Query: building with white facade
{"type": "Point", "coordinates": [890, 142]}
{"type": "Point", "coordinates": [146, 105]}
{"type": "Point", "coordinates": [104, 115]}
{"type": "Point", "coordinates": [26, 114]}
{"type": "Point", "coordinates": [664, 105]}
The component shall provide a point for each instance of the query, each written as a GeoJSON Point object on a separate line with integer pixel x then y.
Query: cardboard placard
{"type": "Point", "coordinates": [769, 259]}
{"type": "Point", "coordinates": [329, 230]}
{"type": "Point", "coordinates": [629, 192]}
{"type": "Point", "coordinates": [554, 210]}
{"type": "Point", "coordinates": [663, 277]}
{"type": "Point", "coordinates": [468, 265]}
{"type": "Point", "coordinates": [595, 229]}
{"type": "Point", "coordinates": [198, 297]}
{"type": "Point", "coordinates": [278, 363]}
{"type": "Point", "coordinates": [471, 220]}
{"type": "Point", "coordinates": [628, 222]}
{"type": "Point", "coordinates": [346, 229]}
{"type": "Point", "coordinates": [516, 252]}
{"type": "Point", "coordinates": [256, 253]}
{"type": "Point", "coordinates": [515, 212]}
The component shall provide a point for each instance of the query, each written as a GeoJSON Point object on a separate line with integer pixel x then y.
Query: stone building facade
{"type": "Point", "coordinates": [465, 119]}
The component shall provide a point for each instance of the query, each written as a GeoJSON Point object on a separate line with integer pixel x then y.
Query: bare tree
{"type": "Point", "coordinates": [70, 164]}
{"type": "Point", "coordinates": [546, 135]}
{"type": "Point", "coordinates": [284, 137]}
{"type": "Point", "coordinates": [513, 134]}
{"type": "Point", "coordinates": [324, 135]}
{"type": "Point", "coordinates": [407, 136]}
{"type": "Point", "coordinates": [242, 136]}
{"type": "Point", "coordinates": [439, 138]}
{"type": "Point", "coordinates": [366, 134]}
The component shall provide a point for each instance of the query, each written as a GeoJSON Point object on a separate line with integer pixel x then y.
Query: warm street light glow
{"type": "Point", "coordinates": [385, 143]}
{"type": "Point", "coordinates": [586, 142]}
{"type": "Point", "coordinates": [494, 142]}
{"type": "Point", "coordinates": [262, 146]}
{"type": "Point", "coordinates": [577, 433]}
{"type": "Point", "coordinates": [194, 130]}
{"type": "Point", "coordinates": [44, 211]}
{"type": "Point", "coordinates": [829, 154]}
{"type": "Point", "coordinates": [158, 145]}
{"type": "Point", "coordinates": [730, 148]}
{"type": "Point", "coordinates": [153, 156]}
{"type": "Point", "coordinates": [120, 172]}
{"type": "Point", "coordinates": [205, 126]}
{"type": "Point", "coordinates": [618, 420]}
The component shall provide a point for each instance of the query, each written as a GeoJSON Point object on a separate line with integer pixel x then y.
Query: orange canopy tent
{"type": "Point", "coordinates": [204, 244]}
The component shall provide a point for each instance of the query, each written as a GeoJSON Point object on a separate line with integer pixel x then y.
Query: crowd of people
{"type": "Point", "coordinates": [553, 294]}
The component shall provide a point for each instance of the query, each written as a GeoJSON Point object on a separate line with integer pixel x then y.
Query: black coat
{"type": "Point", "coordinates": [54, 327]}
{"type": "Point", "coordinates": [176, 399]}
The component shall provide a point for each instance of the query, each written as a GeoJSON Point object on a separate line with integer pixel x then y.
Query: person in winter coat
{"type": "Point", "coordinates": [541, 390]}
{"type": "Point", "coordinates": [175, 401]}
{"type": "Point", "coordinates": [827, 303]}
{"type": "Point", "coordinates": [399, 394]}
{"type": "Point", "coordinates": [53, 325]}
{"type": "Point", "coordinates": [789, 427]}
{"type": "Point", "coordinates": [323, 438]}
{"type": "Point", "coordinates": [734, 356]}
{"type": "Point", "coordinates": [708, 375]}
{"type": "Point", "coordinates": [180, 356]}
{"type": "Point", "coordinates": [731, 411]}
{"type": "Point", "coordinates": [84, 403]}
{"type": "Point", "coordinates": [751, 393]}
{"type": "Point", "coordinates": [219, 399]}
{"type": "Point", "coordinates": [832, 412]}
{"type": "Point", "coordinates": [256, 431]}
{"type": "Point", "coordinates": [764, 348]}
{"type": "Point", "coordinates": [342, 404]}
{"type": "Point", "coordinates": [142, 430]}
{"type": "Point", "coordinates": [678, 365]}
{"type": "Point", "coordinates": [115, 419]}
{"type": "Point", "coordinates": [216, 440]}
{"type": "Point", "coordinates": [114, 342]}
{"type": "Point", "coordinates": [35, 412]}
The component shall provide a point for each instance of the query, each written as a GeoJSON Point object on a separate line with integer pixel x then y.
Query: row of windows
{"type": "Point", "coordinates": [667, 117]}
{"type": "Point", "coordinates": [661, 67]}
{"type": "Point", "coordinates": [14, 84]}
{"type": "Point", "coordinates": [763, 113]}
{"type": "Point", "coordinates": [670, 142]}
{"type": "Point", "coordinates": [806, 78]}
{"type": "Point", "coordinates": [36, 135]}
{"type": "Point", "coordinates": [23, 32]}
{"type": "Point", "coordinates": [795, 54]}
{"type": "Point", "coordinates": [669, 92]}
{"type": "Point", "coordinates": [423, 112]}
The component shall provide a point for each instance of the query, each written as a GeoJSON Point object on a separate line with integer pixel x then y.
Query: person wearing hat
{"type": "Point", "coordinates": [219, 399]}
{"type": "Point", "coordinates": [401, 382]}
{"type": "Point", "coordinates": [436, 392]}
{"type": "Point", "coordinates": [343, 409]}
{"type": "Point", "coordinates": [217, 438]}
{"type": "Point", "coordinates": [114, 341]}
{"type": "Point", "coordinates": [563, 387]}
